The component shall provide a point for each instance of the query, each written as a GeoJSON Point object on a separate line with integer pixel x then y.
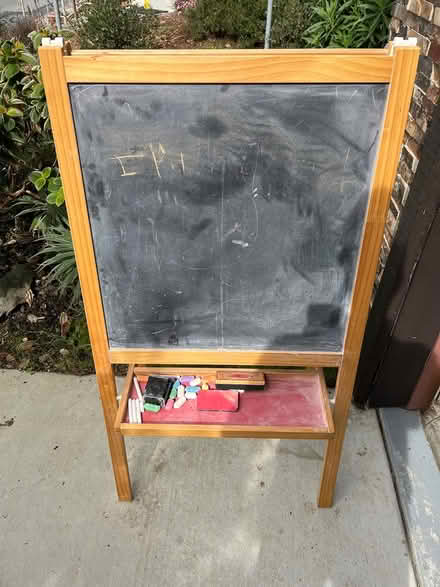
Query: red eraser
{"type": "Point", "coordinates": [217, 401]}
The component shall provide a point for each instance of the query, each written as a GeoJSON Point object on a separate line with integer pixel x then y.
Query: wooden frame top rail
{"type": "Point", "coordinates": [262, 358]}
{"type": "Point", "coordinates": [230, 66]}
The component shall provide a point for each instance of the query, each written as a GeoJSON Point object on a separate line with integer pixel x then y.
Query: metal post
{"type": "Point", "coordinates": [63, 11]}
{"type": "Point", "coordinates": [268, 24]}
{"type": "Point", "coordinates": [57, 14]}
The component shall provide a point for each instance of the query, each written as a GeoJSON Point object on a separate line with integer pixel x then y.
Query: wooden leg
{"type": "Point", "coordinates": [344, 391]}
{"type": "Point", "coordinates": [107, 391]}
{"type": "Point", "coordinates": [329, 472]}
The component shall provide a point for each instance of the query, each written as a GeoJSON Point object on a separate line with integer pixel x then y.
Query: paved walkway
{"type": "Point", "coordinates": [209, 512]}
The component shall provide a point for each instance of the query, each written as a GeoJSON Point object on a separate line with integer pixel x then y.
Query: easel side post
{"type": "Point", "coordinates": [55, 85]}
{"type": "Point", "coordinates": [405, 60]}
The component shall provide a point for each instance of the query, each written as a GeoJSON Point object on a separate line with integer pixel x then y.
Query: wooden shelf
{"type": "Point", "coordinates": [294, 404]}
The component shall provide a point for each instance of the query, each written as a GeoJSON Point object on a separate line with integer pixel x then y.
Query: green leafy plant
{"type": "Point", "coordinates": [78, 334]}
{"type": "Point", "coordinates": [60, 260]}
{"type": "Point", "coordinates": [290, 18]}
{"type": "Point", "coordinates": [48, 182]}
{"type": "Point", "coordinates": [43, 215]}
{"type": "Point", "coordinates": [353, 23]}
{"type": "Point", "coordinates": [47, 207]}
{"type": "Point", "coordinates": [25, 138]}
{"type": "Point", "coordinates": [374, 18]}
{"type": "Point", "coordinates": [243, 21]}
{"type": "Point", "coordinates": [329, 17]}
{"type": "Point", "coordinates": [112, 24]}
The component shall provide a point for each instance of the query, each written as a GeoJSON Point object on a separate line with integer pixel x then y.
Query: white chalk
{"type": "Point", "coordinates": [181, 391]}
{"type": "Point", "coordinates": [195, 382]}
{"type": "Point", "coordinates": [130, 411]}
{"type": "Point", "coordinates": [138, 412]}
{"type": "Point", "coordinates": [179, 402]}
{"type": "Point", "coordinates": [138, 389]}
{"type": "Point", "coordinates": [191, 395]}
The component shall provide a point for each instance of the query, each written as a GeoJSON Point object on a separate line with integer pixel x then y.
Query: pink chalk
{"type": "Point", "coordinates": [217, 401]}
{"type": "Point", "coordinates": [186, 379]}
{"type": "Point", "coordinates": [169, 405]}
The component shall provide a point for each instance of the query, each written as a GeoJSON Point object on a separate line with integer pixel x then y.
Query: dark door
{"type": "Point", "coordinates": [404, 321]}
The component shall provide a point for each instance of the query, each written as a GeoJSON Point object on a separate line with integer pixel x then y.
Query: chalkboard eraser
{"type": "Point", "coordinates": [151, 408]}
{"type": "Point", "coordinates": [247, 380]}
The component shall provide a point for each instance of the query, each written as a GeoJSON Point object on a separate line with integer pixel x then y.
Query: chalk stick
{"type": "Point", "coordinates": [138, 389]}
{"type": "Point", "coordinates": [138, 411]}
{"type": "Point", "coordinates": [217, 401]}
{"type": "Point", "coordinates": [173, 392]}
{"type": "Point", "coordinates": [133, 411]}
{"type": "Point", "coordinates": [170, 404]}
{"type": "Point", "coordinates": [195, 382]}
{"type": "Point", "coordinates": [192, 389]}
{"type": "Point", "coordinates": [190, 394]}
{"type": "Point", "coordinates": [179, 402]}
{"type": "Point", "coordinates": [181, 391]}
{"type": "Point", "coordinates": [185, 379]}
{"type": "Point", "coordinates": [130, 411]}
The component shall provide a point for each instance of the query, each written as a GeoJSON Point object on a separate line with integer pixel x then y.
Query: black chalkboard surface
{"type": "Point", "coordinates": [227, 216]}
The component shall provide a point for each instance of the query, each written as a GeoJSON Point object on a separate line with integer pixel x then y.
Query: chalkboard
{"type": "Point", "coordinates": [227, 216]}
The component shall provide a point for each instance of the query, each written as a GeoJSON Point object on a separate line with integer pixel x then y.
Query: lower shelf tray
{"type": "Point", "coordinates": [294, 404]}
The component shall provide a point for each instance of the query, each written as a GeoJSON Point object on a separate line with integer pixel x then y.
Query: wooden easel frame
{"type": "Point", "coordinates": [394, 65]}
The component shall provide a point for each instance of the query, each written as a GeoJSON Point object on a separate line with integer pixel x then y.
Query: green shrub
{"type": "Point", "coordinates": [29, 176]}
{"type": "Point", "coordinates": [354, 23]}
{"type": "Point", "coordinates": [60, 259]}
{"type": "Point", "coordinates": [46, 208]}
{"type": "Point", "coordinates": [243, 21]}
{"type": "Point", "coordinates": [110, 24]}
{"type": "Point", "coordinates": [26, 141]}
{"type": "Point", "coordinates": [290, 18]}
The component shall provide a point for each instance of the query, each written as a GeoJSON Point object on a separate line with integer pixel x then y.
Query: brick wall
{"type": "Point", "coordinates": [421, 20]}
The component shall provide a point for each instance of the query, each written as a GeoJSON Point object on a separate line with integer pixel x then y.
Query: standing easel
{"type": "Point", "coordinates": [395, 65]}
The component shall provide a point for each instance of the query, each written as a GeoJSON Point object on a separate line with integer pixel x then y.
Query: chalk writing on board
{"type": "Point", "coordinates": [227, 216]}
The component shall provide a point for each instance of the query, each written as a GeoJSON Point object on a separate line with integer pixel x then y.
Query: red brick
{"type": "Point", "coordinates": [433, 94]}
{"type": "Point", "coordinates": [427, 10]}
{"type": "Point", "coordinates": [428, 110]}
{"type": "Point", "coordinates": [414, 130]}
{"type": "Point", "coordinates": [414, 6]}
{"type": "Point", "coordinates": [414, 148]}
{"type": "Point", "coordinates": [434, 51]}
{"type": "Point", "coordinates": [405, 172]}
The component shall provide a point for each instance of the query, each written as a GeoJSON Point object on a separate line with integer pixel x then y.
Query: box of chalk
{"type": "Point", "coordinates": [158, 389]}
{"type": "Point", "coordinates": [247, 380]}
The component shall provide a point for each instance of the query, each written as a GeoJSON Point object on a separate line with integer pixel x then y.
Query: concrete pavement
{"type": "Point", "coordinates": [237, 512]}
